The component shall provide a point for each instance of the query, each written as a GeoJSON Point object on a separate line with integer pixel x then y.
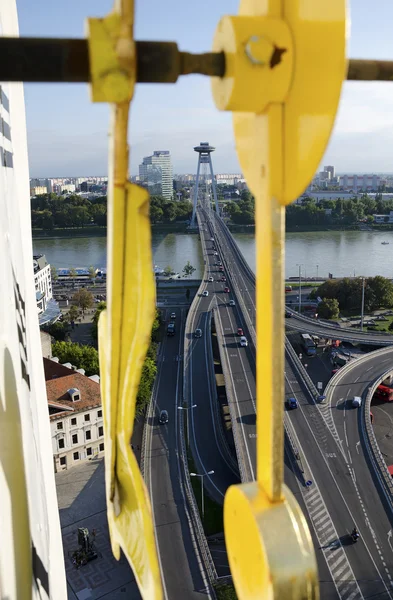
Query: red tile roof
{"type": "Point", "coordinates": [57, 391]}
{"type": "Point", "coordinates": [54, 369]}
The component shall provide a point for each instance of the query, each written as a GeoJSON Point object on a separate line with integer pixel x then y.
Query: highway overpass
{"type": "Point", "coordinates": [328, 330]}
{"type": "Point", "coordinates": [343, 490]}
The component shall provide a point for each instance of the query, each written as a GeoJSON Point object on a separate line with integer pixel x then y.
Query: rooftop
{"type": "Point", "coordinates": [59, 380]}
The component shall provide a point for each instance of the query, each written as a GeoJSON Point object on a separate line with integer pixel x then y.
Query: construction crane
{"type": "Point", "coordinates": [265, 67]}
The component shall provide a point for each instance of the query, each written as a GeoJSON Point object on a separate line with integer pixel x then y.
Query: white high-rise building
{"type": "Point", "coordinates": [156, 173]}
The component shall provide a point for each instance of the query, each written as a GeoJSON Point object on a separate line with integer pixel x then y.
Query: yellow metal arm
{"type": "Point", "coordinates": [275, 53]}
{"type": "Point", "coordinates": [125, 327]}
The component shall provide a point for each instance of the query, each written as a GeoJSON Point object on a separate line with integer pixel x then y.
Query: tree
{"type": "Point", "coordinates": [188, 269]}
{"type": "Point", "coordinates": [54, 273]}
{"type": "Point", "coordinates": [57, 330]}
{"type": "Point", "coordinates": [391, 326]}
{"type": "Point", "coordinates": [92, 273]}
{"type": "Point", "coordinates": [73, 274]}
{"type": "Point", "coordinates": [328, 308]}
{"type": "Point", "coordinates": [100, 307]}
{"type": "Point", "coordinates": [156, 213]}
{"type": "Point", "coordinates": [169, 270]}
{"type": "Point", "coordinates": [149, 371]}
{"type": "Point", "coordinates": [83, 357]}
{"type": "Point", "coordinates": [378, 293]}
{"type": "Point", "coordinates": [73, 313]}
{"type": "Point", "coordinates": [156, 325]}
{"type": "Point", "coordinates": [84, 299]}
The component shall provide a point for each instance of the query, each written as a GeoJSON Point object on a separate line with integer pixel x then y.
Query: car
{"type": "Point", "coordinates": [243, 341]}
{"type": "Point", "coordinates": [291, 403]}
{"type": "Point", "coordinates": [219, 263]}
{"type": "Point", "coordinates": [334, 371]}
{"type": "Point", "coordinates": [220, 268]}
{"type": "Point", "coordinates": [171, 329]}
{"type": "Point", "coordinates": [288, 288]}
{"type": "Point", "coordinates": [216, 254]}
{"type": "Point", "coordinates": [173, 315]}
{"type": "Point", "coordinates": [321, 398]}
{"type": "Point", "coordinates": [232, 303]}
{"type": "Point", "coordinates": [288, 315]}
{"type": "Point", "coordinates": [226, 290]}
{"type": "Point", "coordinates": [223, 278]}
{"type": "Point", "coordinates": [198, 333]}
{"type": "Point", "coordinates": [356, 402]}
{"type": "Point", "coordinates": [212, 239]}
{"type": "Point", "coordinates": [211, 279]}
{"type": "Point", "coordinates": [163, 417]}
{"type": "Point", "coordinates": [205, 293]}
{"type": "Point", "coordinates": [240, 331]}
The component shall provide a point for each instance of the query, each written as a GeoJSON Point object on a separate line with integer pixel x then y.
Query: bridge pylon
{"type": "Point", "coordinates": [204, 158]}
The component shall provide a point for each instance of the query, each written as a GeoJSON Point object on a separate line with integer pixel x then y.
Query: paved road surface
{"type": "Point", "coordinates": [343, 492]}
{"type": "Point", "coordinates": [179, 560]}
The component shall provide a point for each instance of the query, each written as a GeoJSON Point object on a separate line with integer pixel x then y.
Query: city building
{"type": "Point", "coordinates": [37, 190]}
{"type": "Point", "coordinates": [156, 174]}
{"type": "Point", "coordinates": [360, 182]}
{"type": "Point", "coordinates": [47, 308]}
{"type": "Point", "coordinates": [68, 187]}
{"type": "Point", "coordinates": [75, 414]}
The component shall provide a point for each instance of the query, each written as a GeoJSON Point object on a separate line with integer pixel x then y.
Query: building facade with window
{"type": "Point", "coordinates": [75, 413]}
{"type": "Point", "coordinates": [47, 308]}
{"type": "Point", "coordinates": [156, 174]}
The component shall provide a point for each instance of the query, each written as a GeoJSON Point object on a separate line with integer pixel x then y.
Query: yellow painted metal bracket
{"type": "Point", "coordinates": [276, 52]}
{"type": "Point", "coordinates": [125, 326]}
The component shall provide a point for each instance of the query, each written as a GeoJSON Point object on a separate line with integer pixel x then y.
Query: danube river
{"type": "Point", "coordinates": [343, 253]}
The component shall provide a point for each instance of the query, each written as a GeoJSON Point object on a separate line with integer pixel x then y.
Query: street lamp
{"type": "Point", "coordinates": [202, 475]}
{"type": "Point", "coordinates": [317, 271]}
{"type": "Point", "coordinates": [187, 408]}
{"type": "Point", "coordinates": [300, 265]}
{"type": "Point", "coordinates": [362, 317]}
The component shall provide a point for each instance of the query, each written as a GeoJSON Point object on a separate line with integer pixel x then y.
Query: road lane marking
{"type": "Point", "coordinates": [336, 559]}
{"type": "Point", "coordinates": [345, 434]}
{"type": "Point", "coordinates": [357, 446]}
{"type": "Point", "coordinates": [353, 477]}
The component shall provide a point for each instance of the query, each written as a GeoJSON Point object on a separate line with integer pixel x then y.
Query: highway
{"type": "Point", "coordinates": [208, 450]}
{"type": "Point", "coordinates": [240, 359]}
{"type": "Point", "coordinates": [343, 492]}
{"type": "Point", "coordinates": [315, 326]}
{"type": "Point", "coordinates": [181, 567]}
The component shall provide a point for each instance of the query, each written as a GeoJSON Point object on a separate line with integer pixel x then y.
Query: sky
{"type": "Point", "coordinates": [67, 134]}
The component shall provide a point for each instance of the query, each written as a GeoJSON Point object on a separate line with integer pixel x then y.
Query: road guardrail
{"type": "Point", "coordinates": [374, 453]}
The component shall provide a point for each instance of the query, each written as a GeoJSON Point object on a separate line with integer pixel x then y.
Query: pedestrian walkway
{"type": "Point", "coordinates": [81, 333]}
{"type": "Point", "coordinates": [82, 503]}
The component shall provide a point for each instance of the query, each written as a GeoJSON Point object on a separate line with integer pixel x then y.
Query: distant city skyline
{"type": "Point", "coordinates": [68, 134]}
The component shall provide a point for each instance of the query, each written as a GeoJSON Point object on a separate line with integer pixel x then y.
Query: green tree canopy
{"type": "Point", "coordinates": [188, 269]}
{"type": "Point", "coordinates": [100, 307]}
{"type": "Point", "coordinates": [84, 299]}
{"type": "Point", "coordinates": [328, 308]}
{"type": "Point", "coordinates": [83, 357]}
{"type": "Point", "coordinates": [73, 313]}
{"type": "Point", "coordinates": [378, 292]}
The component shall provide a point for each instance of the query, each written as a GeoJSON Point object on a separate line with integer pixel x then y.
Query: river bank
{"type": "Point", "coordinates": [96, 231]}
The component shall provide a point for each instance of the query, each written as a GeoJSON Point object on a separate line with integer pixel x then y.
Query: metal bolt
{"type": "Point", "coordinates": [259, 50]}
